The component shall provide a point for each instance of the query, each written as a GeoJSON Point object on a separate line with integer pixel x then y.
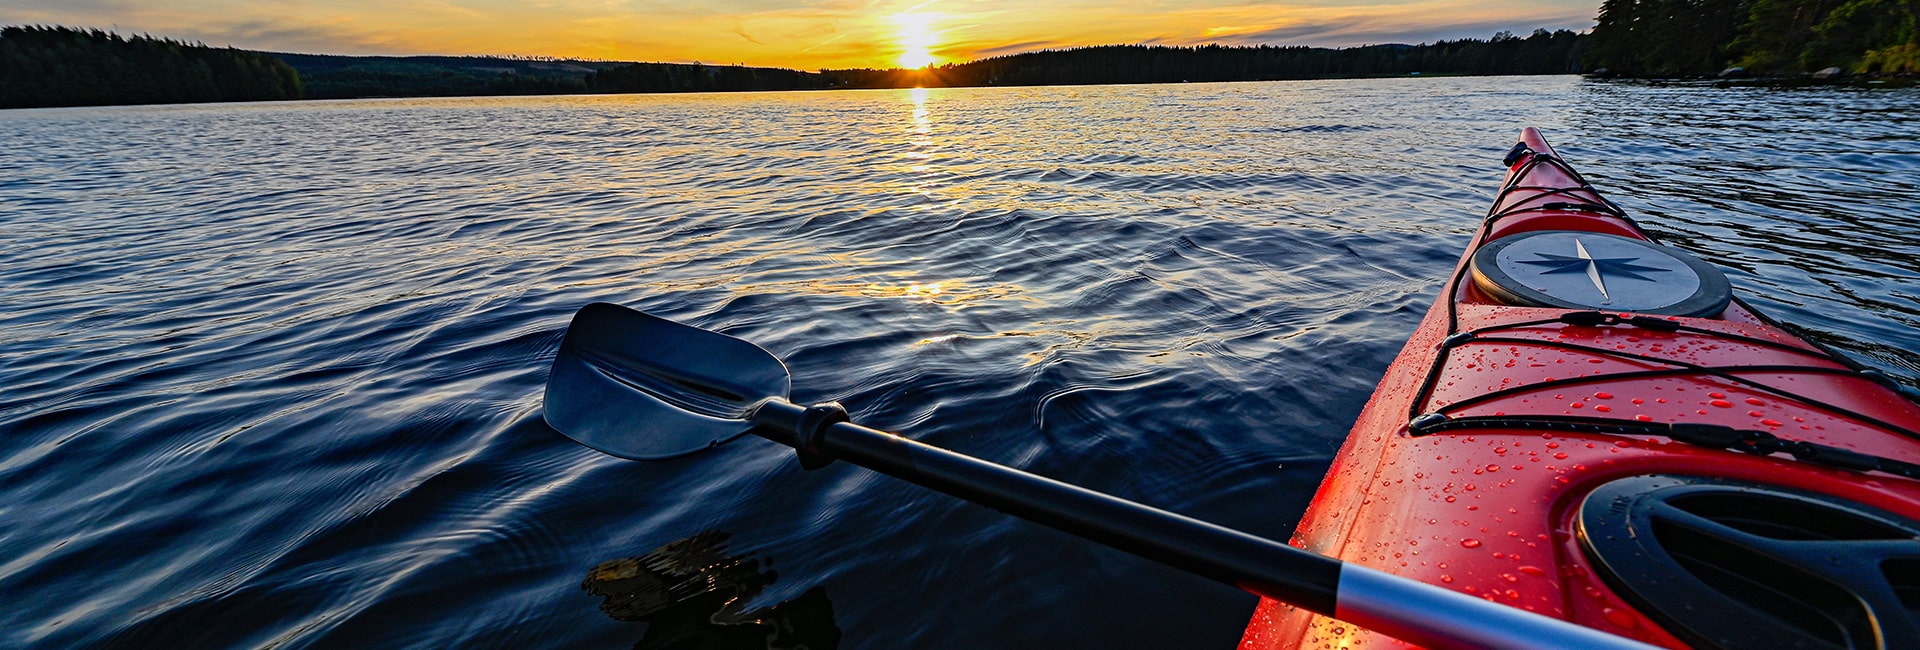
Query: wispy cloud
{"type": "Point", "coordinates": [295, 38]}
{"type": "Point", "coordinates": [1293, 34]}
{"type": "Point", "coordinates": [820, 44]}
{"type": "Point", "coordinates": [790, 33]}
{"type": "Point", "coordinates": [741, 31]}
{"type": "Point", "coordinates": [1017, 48]}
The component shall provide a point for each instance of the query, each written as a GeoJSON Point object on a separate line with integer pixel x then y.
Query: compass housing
{"type": "Point", "coordinates": [1588, 270]}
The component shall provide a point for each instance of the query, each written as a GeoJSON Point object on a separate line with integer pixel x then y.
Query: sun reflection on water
{"type": "Point", "coordinates": [920, 133]}
{"type": "Point", "coordinates": [921, 125]}
{"type": "Point", "coordinates": [945, 293]}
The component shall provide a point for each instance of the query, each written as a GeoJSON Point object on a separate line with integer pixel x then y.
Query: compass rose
{"type": "Point", "coordinates": [1594, 267]}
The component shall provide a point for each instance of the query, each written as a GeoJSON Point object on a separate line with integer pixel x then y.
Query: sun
{"type": "Point", "coordinates": [916, 59]}
{"type": "Point", "coordinates": [917, 39]}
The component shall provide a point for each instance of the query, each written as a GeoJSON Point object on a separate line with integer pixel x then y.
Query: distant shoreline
{"type": "Point", "coordinates": [60, 66]}
{"type": "Point", "coordinates": [74, 67]}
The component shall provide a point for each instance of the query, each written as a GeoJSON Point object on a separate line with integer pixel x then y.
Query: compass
{"type": "Point", "coordinates": [1589, 270]}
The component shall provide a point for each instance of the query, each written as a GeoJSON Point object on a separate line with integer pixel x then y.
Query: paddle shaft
{"type": "Point", "coordinates": [1405, 609]}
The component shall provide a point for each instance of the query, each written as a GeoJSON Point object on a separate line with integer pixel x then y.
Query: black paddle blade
{"type": "Point", "coordinates": [646, 388]}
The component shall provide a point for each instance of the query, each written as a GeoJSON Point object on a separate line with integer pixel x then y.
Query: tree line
{"type": "Point", "coordinates": [60, 66]}
{"type": "Point", "coordinates": [1665, 38]}
{"type": "Point", "coordinates": [341, 77]}
{"type": "Point", "coordinates": [694, 77]}
{"type": "Point", "coordinates": [1543, 52]}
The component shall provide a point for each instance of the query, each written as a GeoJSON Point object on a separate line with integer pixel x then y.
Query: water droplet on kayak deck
{"type": "Point", "coordinates": [1617, 617]}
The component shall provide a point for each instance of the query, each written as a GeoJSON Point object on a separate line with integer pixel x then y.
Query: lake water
{"type": "Point", "coordinates": [272, 373]}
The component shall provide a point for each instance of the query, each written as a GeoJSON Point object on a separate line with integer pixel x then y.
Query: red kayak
{"type": "Point", "coordinates": [1588, 425]}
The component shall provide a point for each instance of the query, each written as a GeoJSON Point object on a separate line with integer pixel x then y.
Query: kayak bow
{"type": "Point", "coordinates": [1588, 425]}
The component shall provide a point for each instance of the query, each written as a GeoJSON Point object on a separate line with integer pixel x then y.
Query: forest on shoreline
{"type": "Point", "coordinates": [1692, 38]}
{"type": "Point", "coordinates": [45, 66]}
{"type": "Point", "coordinates": [62, 66]}
{"type": "Point", "coordinates": [1543, 52]}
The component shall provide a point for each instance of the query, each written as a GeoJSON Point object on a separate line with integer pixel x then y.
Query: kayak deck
{"type": "Point", "coordinates": [1468, 466]}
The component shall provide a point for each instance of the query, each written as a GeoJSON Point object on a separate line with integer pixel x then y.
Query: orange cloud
{"type": "Point", "coordinates": [804, 34]}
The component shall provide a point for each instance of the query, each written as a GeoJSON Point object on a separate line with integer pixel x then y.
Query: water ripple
{"type": "Point", "coordinates": [274, 370]}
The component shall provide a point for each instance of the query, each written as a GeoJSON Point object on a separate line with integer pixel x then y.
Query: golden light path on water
{"type": "Point", "coordinates": [920, 134]}
{"type": "Point", "coordinates": [860, 275]}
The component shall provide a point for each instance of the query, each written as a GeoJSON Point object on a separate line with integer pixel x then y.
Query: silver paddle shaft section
{"type": "Point", "coordinates": [1403, 608]}
{"type": "Point", "coordinates": [1435, 617]}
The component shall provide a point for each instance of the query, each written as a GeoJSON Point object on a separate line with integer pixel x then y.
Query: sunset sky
{"type": "Point", "coordinates": [803, 34]}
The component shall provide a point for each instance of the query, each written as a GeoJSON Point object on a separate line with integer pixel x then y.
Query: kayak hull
{"type": "Point", "coordinates": [1491, 511]}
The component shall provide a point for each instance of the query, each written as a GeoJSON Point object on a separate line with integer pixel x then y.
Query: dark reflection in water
{"type": "Point", "coordinates": [691, 593]}
{"type": "Point", "coordinates": [271, 373]}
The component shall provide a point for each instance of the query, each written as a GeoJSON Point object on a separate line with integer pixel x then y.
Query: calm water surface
{"type": "Point", "coordinates": [272, 373]}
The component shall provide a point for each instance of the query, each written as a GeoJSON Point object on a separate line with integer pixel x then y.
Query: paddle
{"type": "Point", "coordinates": [642, 387]}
